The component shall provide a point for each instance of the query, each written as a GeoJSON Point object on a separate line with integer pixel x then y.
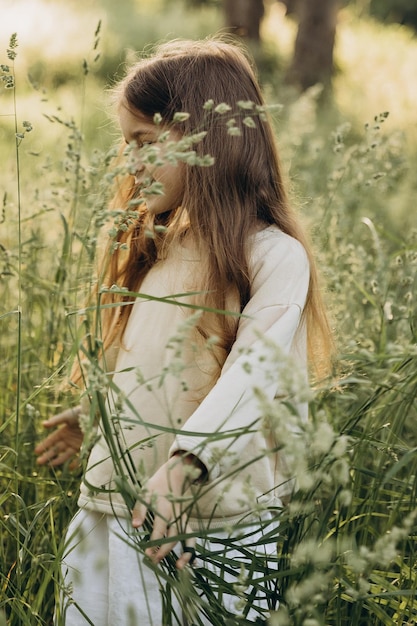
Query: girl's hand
{"type": "Point", "coordinates": [64, 443]}
{"type": "Point", "coordinates": [163, 497]}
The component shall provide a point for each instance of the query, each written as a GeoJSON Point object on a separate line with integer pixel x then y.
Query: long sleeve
{"type": "Point", "coordinates": [223, 424]}
{"type": "Point", "coordinates": [226, 429]}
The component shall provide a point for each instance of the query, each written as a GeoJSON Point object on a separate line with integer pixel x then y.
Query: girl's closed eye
{"type": "Point", "coordinates": [161, 182]}
{"type": "Point", "coordinates": [139, 144]}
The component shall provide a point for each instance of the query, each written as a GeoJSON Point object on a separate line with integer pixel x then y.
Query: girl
{"type": "Point", "coordinates": [217, 277]}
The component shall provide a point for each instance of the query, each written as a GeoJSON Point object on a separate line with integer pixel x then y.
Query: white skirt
{"type": "Point", "coordinates": [108, 583]}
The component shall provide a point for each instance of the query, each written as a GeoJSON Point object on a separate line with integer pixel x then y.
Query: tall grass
{"type": "Point", "coordinates": [46, 262]}
{"type": "Point", "coordinates": [345, 551]}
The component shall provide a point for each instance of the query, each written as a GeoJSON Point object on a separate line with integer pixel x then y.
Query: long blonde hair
{"type": "Point", "coordinates": [225, 202]}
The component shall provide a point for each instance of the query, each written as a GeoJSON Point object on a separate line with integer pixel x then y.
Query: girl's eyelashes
{"type": "Point", "coordinates": [142, 144]}
{"type": "Point", "coordinates": [136, 143]}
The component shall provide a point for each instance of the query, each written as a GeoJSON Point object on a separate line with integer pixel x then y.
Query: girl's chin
{"type": "Point", "coordinates": [158, 204]}
{"type": "Point", "coordinates": [157, 208]}
{"type": "Point", "coordinates": [154, 206]}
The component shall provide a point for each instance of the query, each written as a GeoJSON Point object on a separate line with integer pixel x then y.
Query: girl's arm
{"type": "Point", "coordinates": [267, 353]}
{"type": "Point", "coordinates": [279, 290]}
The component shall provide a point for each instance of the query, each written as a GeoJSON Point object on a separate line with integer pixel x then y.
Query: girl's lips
{"type": "Point", "coordinates": [142, 179]}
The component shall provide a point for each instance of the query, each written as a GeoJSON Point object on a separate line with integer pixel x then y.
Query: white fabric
{"type": "Point", "coordinates": [165, 380]}
{"type": "Point", "coordinates": [107, 583]}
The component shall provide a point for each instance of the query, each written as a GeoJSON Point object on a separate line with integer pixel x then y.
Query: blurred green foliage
{"type": "Point", "coordinates": [402, 11]}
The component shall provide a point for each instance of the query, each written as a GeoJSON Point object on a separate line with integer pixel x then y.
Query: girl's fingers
{"type": "Point", "coordinates": [188, 555]}
{"type": "Point", "coordinates": [167, 524]}
{"type": "Point", "coordinates": [45, 446]}
{"type": "Point", "coordinates": [138, 514]}
{"type": "Point", "coordinates": [46, 456]}
{"type": "Point", "coordinates": [61, 458]}
{"type": "Point", "coordinates": [55, 456]}
{"type": "Point", "coordinates": [159, 531]}
{"type": "Point", "coordinates": [54, 440]}
{"type": "Point", "coordinates": [67, 416]}
{"type": "Point", "coordinates": [53, 451]}
{"type": "Point", "coordinates": [163, 530]}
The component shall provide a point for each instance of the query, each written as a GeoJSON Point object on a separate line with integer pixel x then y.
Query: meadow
{"type": "Point", "coordinates": [345, 553]}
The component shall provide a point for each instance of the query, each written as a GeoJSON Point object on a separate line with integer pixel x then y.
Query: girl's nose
{"type": "Point", "coordinates": [139, 170]}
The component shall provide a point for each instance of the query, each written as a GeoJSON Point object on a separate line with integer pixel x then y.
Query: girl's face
{"type": "Point", "coordinates": [139, 130]}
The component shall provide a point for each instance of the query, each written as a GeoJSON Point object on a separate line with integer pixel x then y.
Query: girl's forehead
{"type": "Point", "coordinates": [133, 122]}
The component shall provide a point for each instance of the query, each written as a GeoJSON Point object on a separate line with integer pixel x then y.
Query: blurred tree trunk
{"type": "Point", "coordinates": [313, 52]}
{"type": "Point", "coordinates": [243, 17]}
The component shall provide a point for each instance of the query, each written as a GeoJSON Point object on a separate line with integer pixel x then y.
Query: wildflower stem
{"type": "Point", "coordinates": [19, 320]}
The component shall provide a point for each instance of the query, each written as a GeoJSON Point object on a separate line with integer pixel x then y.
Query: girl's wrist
{"type": "Point", "coordinates": [199, 473]}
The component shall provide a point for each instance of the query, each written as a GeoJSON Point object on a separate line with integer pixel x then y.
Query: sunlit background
{"type": "Point", "coordinates": [374, 68]}
{"type": "Point", "coordinates": [374, 72]}
{"type": "Point", "coordinates": [375, 61]}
